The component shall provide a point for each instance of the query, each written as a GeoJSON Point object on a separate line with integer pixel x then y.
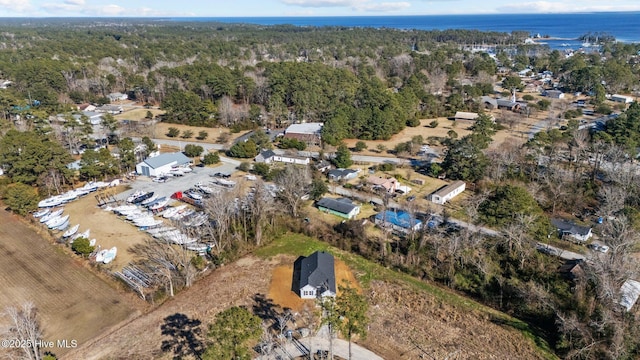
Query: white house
{"type": "Point", "coordinates": [269, 156]}
{"type": "Point", "coordinates": [317, 275]}
{"type": "Point", "coordinates": [554, 94]}
{"type": "Point", "coordinates": [116, 96]}
{"type": "Point", "coordinates": [571, 230]}
{"type": "Point", "coordinates": [621, 98]}
{"type": "Point", "coordinates": [161, 164]}
{"type": "Point", "coordinates": [448, 192]}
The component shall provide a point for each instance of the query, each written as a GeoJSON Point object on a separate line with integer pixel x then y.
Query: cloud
{"type": "Point", "coordinates": [323, 3]}
{"type": "Point", "coordinates": [16, 5]}
{"type": "Point", "coordinates": [107, 10]}
{"type": "Point", "coordinates": [555, 7]}
{"type": "Point", "coordinates": [383, 7]}
{"type": "Point", "coordinates": [357, 5]}
{"type": "Point", "coordinates": [74, 2]}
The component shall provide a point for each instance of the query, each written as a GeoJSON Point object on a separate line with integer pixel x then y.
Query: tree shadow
{"type": "Point", "coordinates": [295, 281]}
{"type": "Point", "coordinates": [265, 308]}
{"type": "Point", "coordinates": [184, 336]}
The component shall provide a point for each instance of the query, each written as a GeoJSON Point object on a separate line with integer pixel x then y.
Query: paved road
{"type": "Point", "coordinates": [561, 253]}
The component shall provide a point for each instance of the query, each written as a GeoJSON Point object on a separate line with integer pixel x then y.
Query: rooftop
{"type": "Point", "coordinates": [318, 270]}
{"type": "Point", "coordinates": [570, 227]}
{"type": "Point", "coordinates": [167, 158]}
{"type": "Point", "coordinates": [449, 188]}
{"type": "Point", "coordinates": [399, 218]}
{"type": "Point", "coordinates": [342, 205]}
{"type": "Point", "coordinates": [306, 128]}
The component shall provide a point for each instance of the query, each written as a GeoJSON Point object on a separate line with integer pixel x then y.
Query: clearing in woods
{"type": "Point", "coordinates": [72, 302]}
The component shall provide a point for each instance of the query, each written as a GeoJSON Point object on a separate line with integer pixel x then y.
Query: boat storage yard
{"type": "Point", "coordinates": [169, 212]}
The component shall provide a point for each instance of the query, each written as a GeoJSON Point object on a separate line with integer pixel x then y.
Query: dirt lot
{"type": "Point", "coordinates": [401, 319]}
{"type": "Point", "coordinates": [72, 302]}
{"type": "Point", "coordinates": [106, 228]}
{"type": "Point", "coordinates": [280, 290]}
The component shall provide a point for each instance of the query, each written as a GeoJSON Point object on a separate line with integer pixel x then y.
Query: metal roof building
{"type": "Point", "coordinates": [161, 164]}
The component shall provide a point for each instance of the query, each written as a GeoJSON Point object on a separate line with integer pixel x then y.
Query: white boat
{"type": "Point", "coordinates": [124, 208]}
{"type": "Point", "coordinates": [183, 214]}
{"type": "Point", "coordinates": [40, 213]}
{"type": "Point", "coordinates": [149, 200]}
{"type": "Point", "coordinates": [160, 205]}
{"type": "Point", "coordinates": [172, 211]}
{"type": "Point", "coordinates": [51, 215]}
{"type": "Point", "coordinates": [100, 255]}
{"type": "Point", "coordinates": [186, 169]}
{"type": "Point", "coordinates": [150, 223]}
{"type": "Point", "coordinates": [68, 196]}
{"type": "Point", "coordinates": [197, 247]}
{"type": "Point", "coordinates": [194, 195]}
{"type": "Point", "coordinates": [57, 221]}
{"type": "Point", "coordinates": [136, 215]}
{"type": "Point", "coordinates": [159, 230]}
{"type": "Point", "coordinates": [92, 242]}
{"type": "Point", "coordinates": [176, 172]}
{"type": "Point", "coordinates": [110, 255]}
{"type": "Point", "coordinates": [50, 202]}
{"type": "Point", "coordinates": [135, 195]}
{"type": "Point", "coordinates": [205, 189]}
{"type": "Point", "coordinates": [64, 225]}
{"type": "Point", "coordinates": [143, 219]}
{"type": "Point", "coordinates": [82, 235]}
{"type": "Point", "coordinates": [71, 231]}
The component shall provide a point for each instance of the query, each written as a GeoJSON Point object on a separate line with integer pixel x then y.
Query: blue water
{"type": "Point", "coordinates": [624, 26]}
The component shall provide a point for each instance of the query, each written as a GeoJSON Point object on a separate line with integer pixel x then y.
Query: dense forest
{"type": "Point", "coordinates": [367, 84]}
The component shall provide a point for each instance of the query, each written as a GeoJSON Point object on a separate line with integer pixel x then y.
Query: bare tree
{"type": "Point", "coordinates": [25, 328]}
{"type": "Point", "coordinates": [260, 207]}
{"type": "Point", "coordinates": [221, 210]}
{"type": "Point", "coordinates": [293, 182]}
{"type": "Point", "coordinates": [156, 260]}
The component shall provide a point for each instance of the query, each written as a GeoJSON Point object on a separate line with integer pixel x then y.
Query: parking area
{"type": "Point", "coordinates": [178, 183]}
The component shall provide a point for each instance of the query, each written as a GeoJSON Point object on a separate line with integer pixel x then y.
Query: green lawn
{"type": "Point", "coordinates": [365, 271]}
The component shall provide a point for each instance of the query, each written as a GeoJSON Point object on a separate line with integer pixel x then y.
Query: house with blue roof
{"type": "Point", "coordinates": [162, 164]}
{"type": "Point", "coordinates": [398, 221]}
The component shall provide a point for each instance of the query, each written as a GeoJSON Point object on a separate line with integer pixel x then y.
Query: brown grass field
{"type": "Point", "coordinates": [106, 228]}
{"type": "Point", "coordinates": [72, 302]}
{"type": "Point", "coordinates": [280, 288]}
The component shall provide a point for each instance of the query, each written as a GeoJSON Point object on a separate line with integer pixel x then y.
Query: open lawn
{"type": "Point", "coordinates": [72, 302]}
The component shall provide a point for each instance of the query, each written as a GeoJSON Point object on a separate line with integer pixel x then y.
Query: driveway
{"type": "Point", "coordinates": [294, 349]}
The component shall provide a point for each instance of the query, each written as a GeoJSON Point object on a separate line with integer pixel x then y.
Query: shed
{"type": "Point", "coordinates": [317, 276]}
{"type": "Point", "coordinates": [161, 164]}
{"type": "Point", "coordinates": [554, 94]}
{"type": "Point", "coordinates": [629, 293]}
{"type": "Point", "coordinates": [463, 115]}
{"type": "Point", "coordinates": [342, 207]}
{"type": "Point", "coordinates": [621, 98]}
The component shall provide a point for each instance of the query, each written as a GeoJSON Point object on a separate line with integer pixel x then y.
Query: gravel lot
{"type": "Point", "coordinates": [180, 183]}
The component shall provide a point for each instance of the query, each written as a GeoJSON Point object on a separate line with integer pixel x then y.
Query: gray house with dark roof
{"type": "Point", "coordinates": [340, 207]}
{"type": "Point", "coordinates": [342, 174]}
{"type": "Point", "coordinates": [317, 276]}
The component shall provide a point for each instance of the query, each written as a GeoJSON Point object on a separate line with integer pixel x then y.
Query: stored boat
{"type": "Point", "coordinates": [110, 255]}
{"type": "Point", "coordinates": [40, 213]}
{"type": "Point", "coordinates": [71, 231]}
{"type": "Point", "coordinates": [51, 215]}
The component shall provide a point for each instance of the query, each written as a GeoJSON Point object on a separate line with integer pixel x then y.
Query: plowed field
{"type": "Point", "coordinates": [72, 302]}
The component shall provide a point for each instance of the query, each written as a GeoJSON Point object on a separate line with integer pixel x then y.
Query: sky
{"type": "Point", "coordinates": [253, 8]}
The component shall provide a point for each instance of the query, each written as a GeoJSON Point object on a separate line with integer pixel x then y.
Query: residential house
{"type": "Point", "coordinates": [398, 221]}
{"type": "Point", "coordinates": [448, 192]}
{"type": "Point", "coordinates": [161, 164]}
{"type": "Point", "coordinates": [265, 156]}
{"type": "Point", "coordinates": [621, 98]}
{"type": "Point", "coordinates": [572, 270]}
{"type": "Point", "coordinates": [316, 275]}
{"type": "Point", "coordinates": [571, 230]}
{"type": "Point", "coordinates": [465, 116]}
{"type": "Point", "coordinates": [268, 157]}
{"type": "Point", "coordinates": [629, 294]}
{"type": "Point", "coordinates": [110, 109]}
{"type": "Point", "coordinates": [489, 103]}
{"type": "Point", "coordinates": [389, 184]}
{"type": "Point", "coordinates": [508, 104]}
{"type": "Point", "coordinates": [86, 107]}
{"type": "Point", "coordinates": [117, 96]}
{"type": "Point", "coordinates": [310, 133]}
{"type": "Point", "coordinates": [342, 174]}
{"type": "Point", "coordinates": [323, 166]}
{"type": "Point", "coordinates": [554, 94]}
{"type": "Point", "coordinates": [342, 207]}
